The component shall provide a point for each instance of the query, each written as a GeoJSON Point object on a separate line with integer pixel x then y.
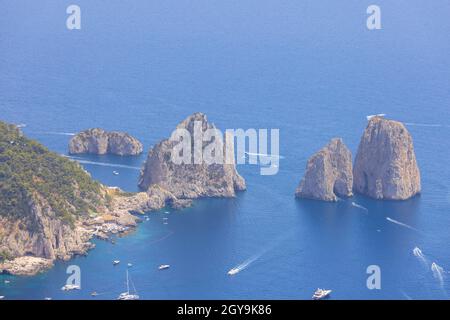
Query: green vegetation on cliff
{"type": "Point", "coordinates": [29, 171]}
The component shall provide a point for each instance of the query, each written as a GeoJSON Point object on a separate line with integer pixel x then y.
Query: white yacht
{"type": "Point", "coordinates": [116, 262]}
{"type": "Point", "coordinates": [127, 295]}
{"type": "Point", "coordinates": [2, 297]}
{"type": "Point", "coordinates": [69, 287]}
{"type": "Point", "coordinates": [164, 266]}
{"type": "Point", "coordinates": [320, 294]}
{"type": "Point", "coordinates": [115, 173]}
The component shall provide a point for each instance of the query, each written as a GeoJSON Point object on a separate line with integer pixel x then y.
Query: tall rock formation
{"type": "Point", "coordinates": [385, 165]}
{"type": "Point", "coordinates": [328, 173]}
{"type": "Point", "coordinates": [172, 182]}
{"type": "Point", "coordinates": [99, 141]}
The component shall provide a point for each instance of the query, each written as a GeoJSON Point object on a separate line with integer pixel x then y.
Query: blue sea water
{"type": "Point", "coordinates": [309, 68]}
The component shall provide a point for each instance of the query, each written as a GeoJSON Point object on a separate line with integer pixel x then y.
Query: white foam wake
{"type": "Point", "coordinates": [264, 155]}
{"type": "Point", "coordinates": [249, 261]}
{"type": "Point", "coordinates": [60, 133]}
{"type": "Point", "coordinates": [103, 164]}
{"type": "Point", "coordinates": [359, 206]}
{"type": "Point", "coordinates": [418, 253]}
{"type": "Point", "coordinates": [434, 125]}
{"type": "Point", "coordinates": [401, 224]}
{"type": "Point", "coordinates": [244, 264]}
{"type": "Point", "coordinates": [438, 273]}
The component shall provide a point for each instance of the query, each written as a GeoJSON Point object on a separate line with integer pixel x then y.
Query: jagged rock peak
{"type": "Point", "coordinates": [328, 173]}
{"type": "Point", "coordinates": [385, 164]}
{"type": "Point", "coordinates": [190, 180]}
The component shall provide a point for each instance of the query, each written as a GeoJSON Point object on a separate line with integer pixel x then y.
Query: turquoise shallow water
{"type": "Point", "coordinates": [310, 69]}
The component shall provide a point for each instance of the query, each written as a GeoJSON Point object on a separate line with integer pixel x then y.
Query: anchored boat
{"type": "Point", "coordinates": [321, 294]}
{"type": "Point", "coordinates": [127, 295]}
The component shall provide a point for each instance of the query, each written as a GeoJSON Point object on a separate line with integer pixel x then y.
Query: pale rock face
{"type": "Point", "coordinates": [385, 165]}
{"type": "Point", "coordinates": [328, 173]}
{"type": "Point", "coordinates": [26, 266]}
{"type": "Point", "coordinates": [188, 181]}
{"type": "Point", "coordinates": [99, 141]}
{"type": "Point", "coordinates": [49, 238]}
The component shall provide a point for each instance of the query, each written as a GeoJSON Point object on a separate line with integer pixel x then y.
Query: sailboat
{"type": "Point", "coordinates": [127, 295]}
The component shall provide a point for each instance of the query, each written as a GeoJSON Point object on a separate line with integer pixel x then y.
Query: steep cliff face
{"type": "Point", "coordinates": [46, 205]}
{"type": "Point", "coordinates": [328, 173]}
{"type": "Point", "coordinates": [99, 141]}
{"type": "Point", "coordinates": [385, 165]}
{"type": "Point", "coordinates": [188, 180]}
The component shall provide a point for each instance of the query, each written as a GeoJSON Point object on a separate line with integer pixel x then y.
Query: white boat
{"type": "Point", "coordinates": [321, 294]}
{"type": "Point", "coordinates": [233, 271]}
{"type": "Point", "coordinates": [2, 297]}
{"type": "Point", "coordinates": [164, 266]}
{"type": "Point", "coordinates": [129, 265]}
{"type": "Point", "coordinates": [94, 294]}
{"type": "Point", "coordinates": [69, 287]}
{"type": "Point", "coordinates": [116, 262]}
{"type": "Point", "coordinates": [47, 298]}
{"type": "Point", "coordinates": [115, 173]}
{"type": "Point", "coordinates": [375, 115]}
{"type": "Point", "coordinates": [7, 281]}
{"type": "Point", "coordinates": [127, 295]}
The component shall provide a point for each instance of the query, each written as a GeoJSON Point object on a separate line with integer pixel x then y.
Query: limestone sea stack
{"type": "Point", "coordinates": [99, 141]}
{"type": "Point", "coordinates": [172, 182]}
{"type": "Point", "coordinates": [385, 164]}
{"type": "Point", "coordinates": [328, 173]}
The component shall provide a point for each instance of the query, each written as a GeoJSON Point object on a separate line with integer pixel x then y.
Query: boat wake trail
{"type": "Point", "coordinates": [435, 125]}
{"type": "Point", "coordinates": [60, 133]}
{"type": "Point", "coordinates": [255, 257]}
{"type": "Point", "coordinates": [418, 253]}
{"type": "Point", "coordinates": [264, 155]}
{"type": "Point", "coordinates": [401, 224]}
{"type": "Point", "coordinates": [360, 206]}
{"type": "Point", "coordinates": [438, 273]}
{"type": "Point", "coordinates": [103, 164]}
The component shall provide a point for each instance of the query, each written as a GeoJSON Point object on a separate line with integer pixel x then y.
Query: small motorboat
{"type": "Point", "coordinates": [7, 281]}
{"type": "Point", "coordinates": [321, 294]}
{"type": "Point", "coordinates": [2, 297]}
{"type": "Point", "coordinates": [164, 266]}
{"type": "Point", "coordinates": [69, 287]}
{"type": "Point", "coordinates": [129, 265]}
{"type": "Point", "coordinates": [233, 271]}
{"type": "Point", "coordinates": [94, 294]}
{"type": "Point", "coordinates": [379, 115]}
{"type": "Point", "coordinates": [115, 173]}
{"type": "Point", "coordinates": [116, 262]}
{"type": "Point", "coordinates": [47, 298]}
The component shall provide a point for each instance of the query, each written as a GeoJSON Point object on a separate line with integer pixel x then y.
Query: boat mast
{"type": "Point", "coordinates": [128, 287]}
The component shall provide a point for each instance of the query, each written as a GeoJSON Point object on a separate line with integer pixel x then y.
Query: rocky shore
{"type": "Point", "coordinates": [37, 252]}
